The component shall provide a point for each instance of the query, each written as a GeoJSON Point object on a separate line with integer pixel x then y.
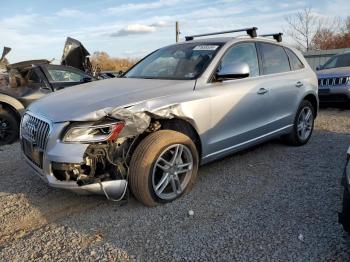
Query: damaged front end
{"type": "Point", "coordinates": [104, 170]}
{"type": "Point", "coordinates": [111, 141]}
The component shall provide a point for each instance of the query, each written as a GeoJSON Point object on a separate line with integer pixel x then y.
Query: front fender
{"type": "Point", "coordinates": [13, 102]}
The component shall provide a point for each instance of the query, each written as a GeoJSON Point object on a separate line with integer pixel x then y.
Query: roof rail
{"type": "Point", "coordinates": [276, 36]}
{"type": "Point", "coordinates": [251, 31]}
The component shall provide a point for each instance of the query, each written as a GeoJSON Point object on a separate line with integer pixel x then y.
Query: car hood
{"type": "Point", "coordinates": [334, 72]}
{"type": "Point", "coordinates": [75, 55]}
{"type": "Point", "coordinates": [5, 51]}
{"type": "Point", "coordinates": [78, 103]}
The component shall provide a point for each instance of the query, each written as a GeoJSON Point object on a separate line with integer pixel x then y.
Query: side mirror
{"type": "Point", "coordinates": [120, 73]}
{"type": "Point", "coordinates": [319, 67]}
{"type": "Point", "coordinates": [45, 88]}
{"type": "Point", "coordinates": [233, 71]}
{"type": "Point", "coordinates": [86, 79]}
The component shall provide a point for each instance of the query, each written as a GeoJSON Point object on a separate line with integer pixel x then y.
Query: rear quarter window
{"type": "Point", "coordinates": [294, 61]}
{"type": "Point", "coordinates": [274, 59]}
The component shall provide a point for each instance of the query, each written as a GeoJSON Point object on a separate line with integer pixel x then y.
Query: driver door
{"type": "Point", "coordinates": [239, 106]}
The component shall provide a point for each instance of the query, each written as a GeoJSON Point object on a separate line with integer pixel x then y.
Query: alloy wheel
{"type": "Point", "coordinates": [172, 171]}
{"type": "Point", "coordinates": [305, 123]}
{"type": "Point", "coordinates": [5, 129]}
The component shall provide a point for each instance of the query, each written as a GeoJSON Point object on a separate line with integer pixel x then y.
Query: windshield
{"type": "Point", "coordinates": [338, 61]}
{"type": "Point", "coordinates": [178, 62]}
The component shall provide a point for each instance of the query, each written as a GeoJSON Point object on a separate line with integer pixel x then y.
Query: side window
{"type": "Point", "coordinates": [242, 53]}
{"type": "Point", "coordinates": [33, 77]}
{"type": "Point", "coordinates": [59, 75]}
{"type": "Point", "coordinates": [274, 59]}
{"type": "Point", "coordinates": [294, 61]}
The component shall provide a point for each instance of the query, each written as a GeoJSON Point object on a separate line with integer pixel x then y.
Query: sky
{"type": "Point", "coordinates": [38, 28]}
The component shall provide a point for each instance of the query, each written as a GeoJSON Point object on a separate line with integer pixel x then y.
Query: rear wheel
{"type": "Point", "coordinates": [163, 167]}
{"type": "Point", "coordinates": [9, 127]}
{"type": "Point", "coordinates": [303, 124]}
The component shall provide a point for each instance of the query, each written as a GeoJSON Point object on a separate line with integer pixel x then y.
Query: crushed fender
{"type": "Point", "coordinates": [105, 168]}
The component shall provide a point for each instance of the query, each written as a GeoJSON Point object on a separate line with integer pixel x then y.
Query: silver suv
{"type": "Point", "coordinates": [181, 106]}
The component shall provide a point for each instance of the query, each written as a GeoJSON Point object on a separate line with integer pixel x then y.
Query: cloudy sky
{"type": "Point", "coordinates": [38, 28]}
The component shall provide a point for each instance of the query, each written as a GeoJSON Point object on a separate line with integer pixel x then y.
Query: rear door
{"type": "Point", "coordinates": [284, 85]}
{"type": "Point", "coordinates": [35, 86]}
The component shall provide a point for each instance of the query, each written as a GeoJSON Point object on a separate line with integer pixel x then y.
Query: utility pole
{"type": "Point", "coordinates": [177, 31]}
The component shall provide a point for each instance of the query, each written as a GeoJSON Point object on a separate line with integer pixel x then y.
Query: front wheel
{"type": "Point", "coordinates": [9, 127]}
{"type": "Point", "coordinates": [303, 124]}
{"type": "Point", "coordinates": [163, 167]}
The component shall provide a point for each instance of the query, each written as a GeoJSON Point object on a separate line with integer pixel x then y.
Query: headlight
{"type": "Point", "coordinates": [93, 133]}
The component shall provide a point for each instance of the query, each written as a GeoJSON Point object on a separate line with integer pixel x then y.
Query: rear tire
{"type": "Point", "coordinates": [344, 217]}
{"type": "Point", "coordinates": [303, 125]}
{"type": "Point", "coordinates": [163, 167]}
{"type": "Point", "coordinates": [9, 127]}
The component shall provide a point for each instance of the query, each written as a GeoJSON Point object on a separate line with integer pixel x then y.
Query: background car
{"type": "Point", "coordinates": [334, 79]}
{"type": "Point", "coordinates": [24, 82]}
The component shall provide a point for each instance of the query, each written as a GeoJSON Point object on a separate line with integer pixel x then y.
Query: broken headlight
{"type": "Point", "coordinates": [93, 133]}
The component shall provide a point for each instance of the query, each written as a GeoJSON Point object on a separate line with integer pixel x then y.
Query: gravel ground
{"type": "Point", "coordinates": [273, 202]}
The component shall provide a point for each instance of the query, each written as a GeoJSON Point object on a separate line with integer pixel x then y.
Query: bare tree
{"type": "Point", "coordinates": [104, 62]}
{"type": "Point", "coordinates": [302, 26]}
{"type": "Point", "coordinates": [335, 35]}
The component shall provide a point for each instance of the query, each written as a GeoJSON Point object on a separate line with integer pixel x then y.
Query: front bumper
{"type": "Point", "coordinates": [58, 152]}
{"type": "Point", "coordinates": [330, 94]}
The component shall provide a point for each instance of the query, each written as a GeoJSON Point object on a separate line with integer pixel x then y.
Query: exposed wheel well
{"type": "Point", "coordinates": [184, 127]}
{"type": "Point", "coordinates": [10, 109]}
{"type": "Point", "coordinates": [313, 100]}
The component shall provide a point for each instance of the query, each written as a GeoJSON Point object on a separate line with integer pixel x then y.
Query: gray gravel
{"type": "Point", "coordinates": [273, 202]}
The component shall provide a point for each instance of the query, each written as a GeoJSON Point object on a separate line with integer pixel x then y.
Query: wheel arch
{"type": "Point", "coordinates": [314, 102]}
{"type": "Point", "coordinates": [12, 104]}
{"type": "Point", "coordinates": [185, 127]}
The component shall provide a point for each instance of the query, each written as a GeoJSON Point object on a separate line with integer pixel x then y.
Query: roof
{"type": "Point", "coordinates": [29, 63]}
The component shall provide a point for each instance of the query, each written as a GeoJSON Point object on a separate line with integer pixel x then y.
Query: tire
{"type": "Point", "coordinates": [344, 217]}
{"type": "Point", "coordinates": [148, 169]}
{"type": "Point", "coordinates": [295, 138]}
{"type": "Point", "coordinates": [9, 127]}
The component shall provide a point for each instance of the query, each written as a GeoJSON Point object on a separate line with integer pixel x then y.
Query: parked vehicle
{"type": "Point", "coordinates": [334, 79]}
{"type": "Point", "coordinates": [181, 106]}
{"type": "Point", "coordinates": [24, 82]}
{"type": "Point", "coordinates": [109, 74]}
{"type": "Point", "coordinates": [344, 217]}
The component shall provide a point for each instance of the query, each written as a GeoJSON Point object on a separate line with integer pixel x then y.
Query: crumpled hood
{"type": "Point", "coordinates": [78, 103]}
{"type": "Point", "coordinates": [334, 72]}
{"type": "Point", "coordinates": [75, 55]}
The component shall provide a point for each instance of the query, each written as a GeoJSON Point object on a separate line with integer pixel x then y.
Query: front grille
{"type": "Point", "coordinates": [333, 81]}
{"type": "Point", "coordinates": [35, 130]}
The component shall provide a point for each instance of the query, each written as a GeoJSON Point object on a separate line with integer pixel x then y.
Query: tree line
{"type": "Point", "coordinates": [311, 31]}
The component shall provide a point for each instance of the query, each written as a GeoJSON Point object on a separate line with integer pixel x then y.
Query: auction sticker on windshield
{"type": "Point", "coordinates": [205, 47]}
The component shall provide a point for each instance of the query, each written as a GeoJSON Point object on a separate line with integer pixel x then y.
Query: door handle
{"type": "Point", "coordinates": [262, 91]}
{"type": "Point", "coordinates": [299, 84]}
